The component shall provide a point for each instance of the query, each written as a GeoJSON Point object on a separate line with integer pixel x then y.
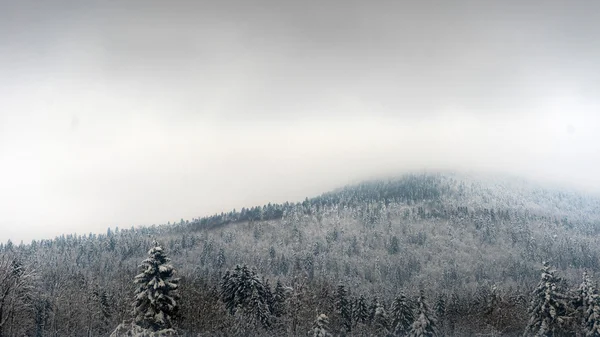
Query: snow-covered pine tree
{"type": "Point", "coordinates": [243, 293]}
{"type": "Point", "coordinates": [360, 312]}
{"type": "Point", "coordinates": [156, 293]}
{"type": "Point", "coordinates": [424, 324]}
{"type": "Point", "coordinates": [440, 310]}
{"type": "Point", "coordinates": [258, 309]}
{"type": "Point", "coordinates": [380, 320]}
{"type": "Point", "coordinates": [268, 294]}
{"type": "Point", "coordinates": [321, 328]}
{"type": "Point", "coordinates": [592, 316]}
{"type": "Point", "coordinates": [343, 307]}
{"type": "Point", "coordinates": [549, 307]}
{"type": "Point", "coordinates": [402, 315]}
{"type": "Point", "coordinates": [279, 298]}
{"type": "Point", "coordinates": [372, 308]}
{"type": "Point", "coordinates": [589, 307]}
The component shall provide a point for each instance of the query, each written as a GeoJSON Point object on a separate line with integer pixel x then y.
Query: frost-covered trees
{"type": "Point", "coordinates": [16, 290]}
{"type": "Point", "coordinates": [243, 293]}
{"type": "Point", "coordinates": [343, 307]}
{"type": "Point", "coordinates": [380, 320]}
{"type": "Point", "coordinates": [156, 293]}
{"type": "Point", "coordinates": [321, 328]}
{"type": "Point", "coordinates": [279, 297]}
{"type": "Point", "coordinates": [360, 312]}
{"type": "Point", "coordinates": [549, 307]}
{"type": "Point", "coordinates": [401, 315]}
{"type": "Point", "coordinates": [424, 324]}
{"type": "Point", "coordinates": [589, 307]}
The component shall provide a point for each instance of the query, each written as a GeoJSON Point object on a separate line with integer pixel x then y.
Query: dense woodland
{"type": "Point", "coordinates": [420, 255]}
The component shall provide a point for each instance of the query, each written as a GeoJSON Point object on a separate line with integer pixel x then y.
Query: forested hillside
{"type": "Point", "coordinates": [445, 254]}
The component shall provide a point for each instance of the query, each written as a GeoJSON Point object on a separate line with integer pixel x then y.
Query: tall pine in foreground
{"type": "Point", "coordinates": [402, 316]}
{"type": "Point", "coordinates": [549, 307]}
{"type": "Point", "coordinates": [156, 293]}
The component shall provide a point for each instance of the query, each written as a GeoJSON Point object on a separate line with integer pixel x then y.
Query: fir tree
{"type": "Point", "coordinates": [424, 324]}
{"type": "Point", "coordinates": [402, 315]}
{"type": "Point", "coordinates": [243, 293]}
{"type": "Point", "coordinates": [343, 307]}
{"type": "Point", "coordinates": [321, 328]}
{"type": "Point", "coordinates": [440, 310]}
{"type": "Point", "coordinates": [380, 320]}
{"type": "Point", "coordinates": [279, 298]}
{"type": "Point", "coordinates": [372, 308]}
{"type": "Point", "coordinates": [589, 307]}
{"type": "Point", "coordinates": [549, 309]}
{"type": "Point", "coordinates": [156, 293]}
{"type": "Point", "coordinates": [360, 314]}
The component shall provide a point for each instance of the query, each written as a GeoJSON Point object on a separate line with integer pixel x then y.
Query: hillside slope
{"type": "Point", "coordinates": [456, 236]}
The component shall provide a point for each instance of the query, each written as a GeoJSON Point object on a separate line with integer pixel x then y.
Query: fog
{"type": "Point", "coordinates": [132, 114]}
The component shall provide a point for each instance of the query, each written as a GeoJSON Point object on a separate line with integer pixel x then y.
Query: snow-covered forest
{"type": "Point", "coordinates": [420, 255]}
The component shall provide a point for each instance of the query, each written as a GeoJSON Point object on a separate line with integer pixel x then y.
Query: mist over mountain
{"type": "Point", "coordinates": [293, 168]}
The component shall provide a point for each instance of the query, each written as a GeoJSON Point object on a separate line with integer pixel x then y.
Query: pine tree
{"type": "Point", "coordinates": [380, 320]}
{"type": "Point", "coordinates": [592, 316]}
{"type": "Point", "coordinates": [402, 315]}
{"type": "Point", "coordinates": [243, 293]}
{"type": "Point", "coordinates": [589, 307]}
{"type": "Point", "coordinates": [424, 324]}
{"type": "Point", "coordinates": [549, 309]}
{"type": "Point", "coordinates": [360, 314]}
{"type": "Point", "coordinates": [372, 308]}
{"type": "Point", "coordinates": [156, 294]}
{"type": "Point", "coordinates": [440, 310]}
{"type": "Point", "coordinates": [343, 307]}
{"type": "Point", "coordinates": [279, 298]}
{"type": "Point", "coordinates": [321, 328]}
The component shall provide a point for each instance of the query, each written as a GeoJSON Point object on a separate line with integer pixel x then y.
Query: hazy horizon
{"type": "Point", "coordinates": [140, 113]}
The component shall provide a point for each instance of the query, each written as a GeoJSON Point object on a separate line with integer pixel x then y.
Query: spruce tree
{"type": "Point", "coordinates": [440, 311]}
{"type": "Point", "coordinates": [549, 309]}
{"type": "Point", "coordinates": [372, 308]}
{"type": "Point", "coordinates": [321, 328]}
{"type": "Point", "coordinates": [424, 324]}
{"type": "Point", "coordinates": [402, 315]}
{"type": "Point", "coordinates": [243, 293]}
{"type": "Point", "coordinates": [380, 320]}
{"type": "Point", "coordinates": [589, 307]}
{"type": "Point", "coordinates": [279, 298]}
{"type": "Point", "coordinates": [156, 293]}
{"type": "Point", "coordinates": [592, 316]}
{"type": "Point", "coordinates": [343, 307]}
{"type": "Point", "coordinates": [360, 314]}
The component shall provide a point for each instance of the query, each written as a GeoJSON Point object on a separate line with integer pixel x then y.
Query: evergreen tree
{"type": "Point", "coordinates": [589, 307]}
{"type": "Point", "coordinates": [549, 309]}
{"type": "Point", "coordinates": [372, 308]}
{"type": "Point", "coordinates": [440, 310]}
{"type": "Point", "coordinates": [156, 293]}
{"type": "Point", "coordinates": [424, 324]}
{"type": "Point", "coordinates": [402, 315]}
{"type": "Point", "coordinates": [343, 307]}
{"type": "Point", "coordinates": [361, 312]}
{"type": "Point", "coordinates": [321, 328]}
{"type": "Point", "coordinates": [279, 298]}
{"type": "Point", "coordinates": [380, 320]}
{"type": "Point", "coordinates": [243, 293]}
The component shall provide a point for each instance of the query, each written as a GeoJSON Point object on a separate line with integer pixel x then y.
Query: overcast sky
{"type": "Point", "coordinates": [121, 113]}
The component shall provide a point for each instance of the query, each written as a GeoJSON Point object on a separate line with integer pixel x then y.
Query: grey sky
{"type": "Point", "coordinates": [139, 112]}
